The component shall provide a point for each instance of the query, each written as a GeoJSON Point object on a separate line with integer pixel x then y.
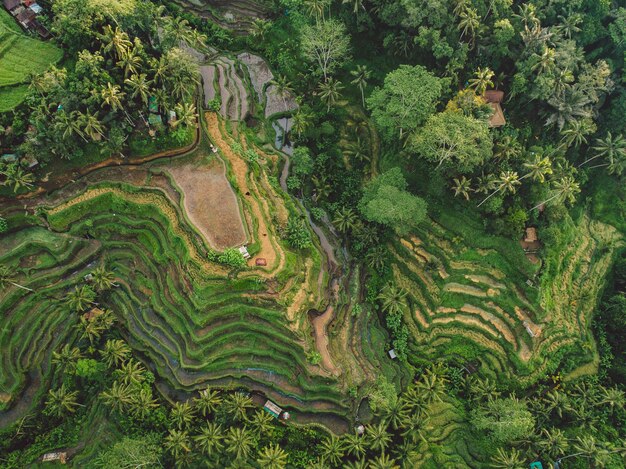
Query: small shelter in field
{"type": "Point", "coordinates": [261, 262]}
{"type": "Point", "coordinates": [11, 4]}
{"type": "Point", "coordinates": [93, 313]}
{"type": "Point", "coordinates": [392, 354]}
{"type": "Point", "coordinates": [531, 235]}
{"type": "Point", "coordinates": [272, 408]}
{"type": "Point", "coordinates": [494, 98]}
{"type": "Point", "coordinates": [53, 457]}
{"type": "Point", "coordinates": [244, 252]}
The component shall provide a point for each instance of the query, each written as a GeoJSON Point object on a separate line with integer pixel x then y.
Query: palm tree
{"type": "Point", "coordinates": [186, 114]}
{"type": "Point", "coordinates": [6, 278]}
{"type": "Point", "coordinates": [301, 121]}
{"type": "Point", "coordinates": [485, 184]}
{"type": "Point", "coordinates": [115, 352]}
{"type": "Point", "coordinates": [355, 445]}
{"type": "Point", "coordinates": [357, 6]}
{"type": "Point", "coordinates": [130, 63]}
{"type": "Point", "coordinates": [142, 402]}
{"type": "Point", "coordinates": [507, 148]}
{"type": "Point", "coordinates": [358, 464]}
{"type": "Point", "coordinates": [569, 24]}
{"type": "Point", "coordinates": [613, 397]}
{"type": "Point", "coordinates": [469, 22]}
{"type": "Point", "coordinates": [482, 389]}
{"type": "Point", "coordinates": [508, 181]}
{"type": "Point", "coordinates": [576, 133]}
{"type": "Point", "coordinates": [69, 124]}
{"type": "Point", "coordinates": [396, 413]}
{"type": "Point", "coordinates": [208, 401]}
{"type": "Point", "coordinates": [177, 443]}
{"type": "Point", "coordinates": [131, 372]}
{"type": "Point", "coordinates": [330, 92]}
{"type": "Point", "coordinates": [383, 461]}
{"type": "Point", "coordinates": [482, 80]}
{"type": "Point", "coordinates": [507, 460]}
{"type": "Point", "coordinates": [262, 422]}
{"type": "Point", "coordinates": [17, 177]}
{"type": "Point", "coordinates": [316, 8]}
{"type": "Point", "coordinates": [376, 258]}
{"type": "Point", "coordinates": [91, 125]}
{"type": "Point", "coordinates": [116, 40]}
{"type": "Point", "coordinates": [140, 86]}
{"type": "Point", "coordinates": [80, 298]}
{"type": "Point", "coordinates": [283, 88]}
{"type": "Point", "coordinates": [415, 426]}
{"type": "Point", "coordinates": [237, 405]}
{"type": "Point", "coordinates": [90, 329]}
{"type": "Point", "coordinates": [61, 401]}
{"type": "Point", "coordinates": [272, 457]}
{"type": "Point", "coordinates": [322, 187]}
{"type": "Point", "coordinates": [361, 74]}
{"type": "Point", "coordinates": [210, 439]}
{"type": "Point", "coordinates": [345, 219]}
{"type": "Point", "coordinates": [378, 437]}
{"type": "Point", "coordinates": [103, 279]}
{"type": "Point", "coordinates": [67, 358]}
{"type": "Point", "coordinates": [260, 28]}
{"type": "Point", "coordinates": [180, 31]}
{"type": "Point", "coordinates": [182, 414]}
{"type": "Point", "coordinates": [553, 443]}
{"type": "Point", "coordinates": [392, 299]}
{"type": "Point", "coordinates": [556, 401]}
{"type": "Point", "coordinates": [462, 186]}
{"type": "Point", "coordinates": [538, 168]}
{"type": "Point", "coordinates": [587, 446]}
{"type": "Point", "coordinates": [546, 61]}
{"type": "Point", "coordinates": [613, 149]}
{"type": "Point", "coordinates": [112, 95]}
{"type": "Point", "coordinates": [432, 386]}
{"type": "Point", "coordinates": [357, 150]}
{"type": "Point", "coordinates": [332, 449]}
{"type": "Point", "coordinates": [117, 397]}
{"type": "Point", "coordinates": [239, 441]}
{"type": "Point", "coordinates": [565, 190]}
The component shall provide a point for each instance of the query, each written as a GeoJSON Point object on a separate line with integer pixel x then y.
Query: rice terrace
{"type": "Point", "coordinates": [312, 234]}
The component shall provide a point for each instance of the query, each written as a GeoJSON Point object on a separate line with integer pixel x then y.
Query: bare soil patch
{"type": "Point", "coordinates": [210, 202]}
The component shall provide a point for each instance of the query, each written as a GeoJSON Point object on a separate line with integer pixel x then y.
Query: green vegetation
{"type": "Point", "coordinates": [434, 270]}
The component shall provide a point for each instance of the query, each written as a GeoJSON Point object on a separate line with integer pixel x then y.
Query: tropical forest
{"type": "Point", "coordinates": [313, 234]}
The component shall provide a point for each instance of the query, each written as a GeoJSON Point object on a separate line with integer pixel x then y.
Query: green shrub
{"type": "Point", "coordinates": [298, 236]}
{"type": "Point", "coordinates": [232, 258]}
{"type": "Point", "coordinates": [4, 226]}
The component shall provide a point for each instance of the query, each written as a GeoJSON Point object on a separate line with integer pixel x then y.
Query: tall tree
{"type": "Point", "coordinates": [177, 443]}
{"type": "Point", "coordinates": [330, 92]}
{"type": "Point", "coordinates": [239, 442]}
{"type": "Point", "coordinates": [327, 45]}
{"type": "Point", "coordinates": [482, 80]}
{"type": "Point", "coordinates": [7, 278]}
{"type": "Point", "coordinates": [115, 352]}
{"type": "Point", "coordinates": [210, 439]}
{"type": "Point", "coordinates": [66, 358]}
{"type": "Point", "coordinates": [208, 401]}
{"type": "Point", "coordinates": [272, 457]}
{"type": "Point", "coordinates": [61, 401]}
{"type": "Point", "coordinates": [80, 298]}
{"type": "Point", "coordinates": [361, 74]}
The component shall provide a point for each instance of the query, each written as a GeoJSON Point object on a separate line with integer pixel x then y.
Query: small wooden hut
{"type": "Point", "coordinates": [494, 98]}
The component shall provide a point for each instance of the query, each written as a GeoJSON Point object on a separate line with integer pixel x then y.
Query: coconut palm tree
{"type": "Point", "coordinates": [182, 414]}
{"type": "Point", "coordinates": [262, 422]}
{"type": "Point", "coordinates": [546, 61]}
{"type": "Point", "coordinates": [208, 401]}
{"type": "Point", "coordinates": [7, 278]}
{"type": "Point", "coordinates": [355, 445]}
{"type": "Point", "coordinates": [103, 279]}
{"type": "Point", "coordinates": [462, 186]}
{"type": "Point", "coordinates": [553, 443]}
{"type": "Point", "coordinates": [378, 437]}
{"type": "Point", "coordinates": [61, 402]}
{"type": "Point", "coordinates": [116, 41]}
{"type": "Point", "coordinates": [186, 114]}
{"type": "Point", "coordinates": [613, 397]}
{"type": "Point", "coordinates": [239, 441]}
{"type": "Point", "coordinates": [556, 401]}
{"type": "Point", "coordinates": [469, 22]}
{"type": "Point", "coordinates": [142, 403]}
{"type": "Point", "coordinates": [332, 449]}
{"type": "Point", "coordinates": [177, 443]}
{"type": "Point", "coordinates": [357, 150]}
{"type": "Point", "coordinates": [90, 329]}
{"type": "Point", "coordinates": [507, 148]}
{"type": "Point", "coordinates": [180, 31]}
{"type": "Point", "coordinates": [112, 95]}
{"type": "Point", "coordinates": [383, 461]}
{"type": "Point", "coordinates": [508, 181]}
{"type": "Point", "coordinates": [376, 258]}
{"type": "Point", "coordinates": [482, 80]}
{"type": "Point", "coordinates": [392, 299]}
{"type": "Point", "coordinates": [284, 88]}
{"type": "Point", "coordinates": [117, 397]}
{"type": "Point", "coordinates": [482, 389]}
{"type": "Point", "coordinates": [330, 92]}
{"type": "Point", "coordinates": [115, 352]}
{"type": "Point", "coordinates": [140, 86]}
{"type": "Point", "coordinates": [415, 426]}
{"type": "Point", "coordinates": [565, 190]}
{"type": "Point", "coordinates": [538, 168]}
{"type": "Point", "coordinates": [301, 121]}
{"type": "Point", "coordinates": [69, 125]}
{"type": "Point", "coordinates": [210, 439]}
{"type": "Point", "coordinates": [131, 372]}
{"type": "Point", "coordinates": [361, 73]}
{"type": "Point", "coordinates": [345, 219]}
{"type": "Point", "coordinates": [357, 6]}
{"type": "Point", "coordinates": [272, 457]}
{"type": "Point", "coordinates": [395, 413]}
{"type": "Point", "coordinates": [587, 446]}
{"type": "Point", "coordinates": [485, 184]}
{"type": "Point", "coordinates": [322, 187]}
{"type": "Point", "coordinates": [613, 149]}
{"type": "Point", "coordinates": [576, 133]}
{"type": "Point", "coordinates": [18, 178]}
{"type": "Point", "coordinates": [91, 125]}
{"type": "Point", "coordinates": [507, 459]}
{"type": "Point", "coordinates": [130, 63]}
{"type": "Point", "coordinates": [432, 387]}
{"type": "Point", "coordinates": [358, 464]}
{"type": "Point", "coordinates": [66, 358]}
{"type": "Point", "coordinates": [237, 405]}
{"type": "Point", "coordinates": [316, 8]}
{"type": "Point", "coordinates": [80, 298]}
{"type": "Point", "coordinates": [259, 28]}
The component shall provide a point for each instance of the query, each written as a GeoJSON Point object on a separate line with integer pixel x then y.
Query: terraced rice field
{"type": "Point", "coordinates": [473, 300]}
{"type": "Point", "coordinates": [20, 56]}
{"type": "Point", "coordinates": [194, 321]}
